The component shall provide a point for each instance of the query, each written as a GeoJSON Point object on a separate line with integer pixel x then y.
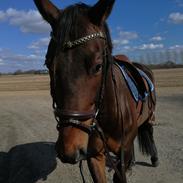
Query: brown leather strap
{"type": "Point", "coordinates": [77, 115]}
{"type": "Point", "coordinates": [86, 128]}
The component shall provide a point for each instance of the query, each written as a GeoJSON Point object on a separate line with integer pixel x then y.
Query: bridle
{"type": "Point", "coordinates": [75, 119]}
{"type": "Point", "coordinates": [66, 118]}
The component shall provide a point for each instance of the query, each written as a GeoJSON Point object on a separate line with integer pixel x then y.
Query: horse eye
{"type": "Point", "coordinates": [97, 68]}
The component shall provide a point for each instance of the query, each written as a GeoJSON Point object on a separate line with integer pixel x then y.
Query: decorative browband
{"type": "Point", "coordinates": [71, 44]}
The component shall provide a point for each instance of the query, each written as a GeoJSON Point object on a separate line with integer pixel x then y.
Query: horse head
{"type": "Point", "coordinates": [76, 59]}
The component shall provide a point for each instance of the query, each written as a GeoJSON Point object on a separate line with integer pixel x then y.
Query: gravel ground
{"type": "Point", "coordinates": [27, 136]}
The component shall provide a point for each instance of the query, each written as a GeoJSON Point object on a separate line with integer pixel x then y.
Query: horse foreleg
{"type": "Point", "coordinates": [97, 168]}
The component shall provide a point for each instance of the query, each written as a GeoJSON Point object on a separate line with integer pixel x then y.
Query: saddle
{"type": "Point", "coordinates": [134, 78]}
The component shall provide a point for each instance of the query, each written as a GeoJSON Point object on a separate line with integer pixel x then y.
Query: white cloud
{"type": "Point", "coordinates": [150, 46]}
{"type": "Point", "coordinates": [124, 38]}
{"type": "Point", "coordinates": [1, 61]}
{"type": "Point", "coordinates": [119, 42]}
{"type": "Point", "coordinates": [156, 38]}
{"type": "Point", "coordinates": [7, 55]}
{"type": "Point", "coordinates": [142, 47]}
{"type": "Point", "coordinates": [128, 35]}
{"type": "Point", "coordinates": [33, 59]}
{"type": "Point", "coordinates": [2, 15]}
{"type": "Point", "coordinates": [20, 57]}
{"type": "Point", "coordinates": [41, 43]}
{"type": "Point", "coordinates": [176, 47]}
{"type": "Point", "coordinates": [28, 21]}
{"type": "Point", "coordinates": [127, 48]}
{"type": "Point", "coordinates": [176, 18]}
{"type": "Point", "coordinates": [10, 61]}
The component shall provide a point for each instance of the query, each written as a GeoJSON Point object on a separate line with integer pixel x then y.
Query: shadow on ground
{"type": "Point", "coordinates": [27, 163]}
{"type": "Point", "coordinates": [143, 164]}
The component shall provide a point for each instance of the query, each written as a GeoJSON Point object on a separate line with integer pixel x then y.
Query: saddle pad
{"type": "Point", "coordinates": [134, 90]}
{"type": "Point", "coordinates": [149, 82]}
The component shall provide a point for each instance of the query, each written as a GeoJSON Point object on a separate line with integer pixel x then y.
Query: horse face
{"type": "Point", "coordinates": [77, 82]}
{"type": "Point", "coordinates": [75, 73]}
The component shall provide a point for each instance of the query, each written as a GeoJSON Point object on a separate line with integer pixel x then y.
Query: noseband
{"type": "Point", "coordinates": [76, 118]}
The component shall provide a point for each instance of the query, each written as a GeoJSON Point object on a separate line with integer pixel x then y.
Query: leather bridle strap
{"type": "Point", "coordinates": [77, 124]}
{"type": "Point", "coordinates": [77, 115]}
{"type": "Point", "coordinates": [74, 119]}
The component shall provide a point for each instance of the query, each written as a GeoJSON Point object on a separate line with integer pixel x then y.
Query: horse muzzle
{"type": "Point", "coordinates": [71, 158]}
{"type": "Point", "coordinates": [73, 151]}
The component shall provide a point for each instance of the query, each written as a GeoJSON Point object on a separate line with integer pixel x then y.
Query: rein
{"type": "Point", "coordinates": [76, 118]}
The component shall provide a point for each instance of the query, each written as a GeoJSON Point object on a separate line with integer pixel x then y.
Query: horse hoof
{"type": "Point", "coordinates": [133, 163]}
{"type": "Point", "coordinates": [155, 164]}
{"type": "Point", "coordinates": [129, 172]}
{"type": "Point", "coordinates": [154, 161]}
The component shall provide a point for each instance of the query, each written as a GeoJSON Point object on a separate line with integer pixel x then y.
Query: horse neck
{"type": "Point", "coordinates": [118, 104]}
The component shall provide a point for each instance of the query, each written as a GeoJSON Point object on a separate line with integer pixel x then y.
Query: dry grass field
{"type": "Point", "coordinates": [27, 133]}
{"type": "Point", "coordinates": [164, 78]}
{"type": "Point", "coordinates": [24, 82]}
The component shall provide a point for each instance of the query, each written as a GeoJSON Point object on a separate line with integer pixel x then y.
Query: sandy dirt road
{"type": "Point", "coordinates": [27, 134]}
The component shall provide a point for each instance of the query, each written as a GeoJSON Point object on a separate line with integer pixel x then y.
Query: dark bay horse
{"type": "Point", "coordinates": [93, 105]}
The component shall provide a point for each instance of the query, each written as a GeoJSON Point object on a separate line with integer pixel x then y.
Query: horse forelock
{"type": "Point", "coordinates": [74, 22]}
{"type": "Point", "coordinates": [72, 25]}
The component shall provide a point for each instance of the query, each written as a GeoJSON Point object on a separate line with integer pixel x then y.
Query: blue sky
{"type": "Point", "coordinates": [138, 28]}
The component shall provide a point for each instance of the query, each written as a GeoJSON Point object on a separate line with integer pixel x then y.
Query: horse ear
{"type": "Point", "coordinates": [48, 11]}
{"type": "Point", "coordinates": [100, 11]}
